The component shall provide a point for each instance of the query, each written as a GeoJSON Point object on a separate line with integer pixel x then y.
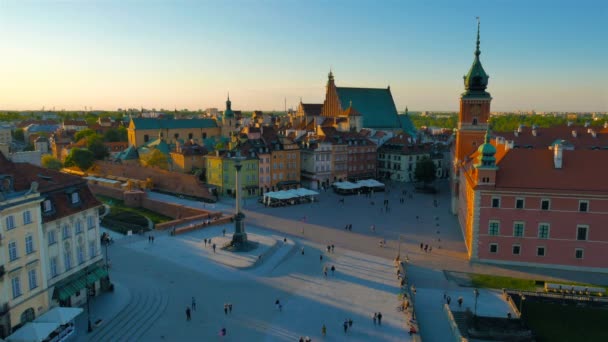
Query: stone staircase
{"type": "Point", "coordinates": [145, 307]}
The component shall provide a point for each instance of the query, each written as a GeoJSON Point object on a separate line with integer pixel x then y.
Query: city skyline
{"type": "Point", "coordinates": [544, 56]}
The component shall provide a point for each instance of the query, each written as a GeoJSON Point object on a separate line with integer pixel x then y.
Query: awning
{"type": "Point", "coordinates": [59, 315]}
{"type": "Point", "coordinates": [78, 282]}
{"type": "Point", "coordinates": [33, 332]}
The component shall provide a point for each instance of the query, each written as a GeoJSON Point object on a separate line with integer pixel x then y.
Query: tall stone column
{"type": "Point", "coordinates": [239, 238]}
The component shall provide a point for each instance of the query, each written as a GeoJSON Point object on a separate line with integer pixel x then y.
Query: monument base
{"type": "Point", "coordinates": [239, 238]}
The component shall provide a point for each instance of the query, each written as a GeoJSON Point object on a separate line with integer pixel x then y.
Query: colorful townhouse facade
{"type": "Point", "coordinates": [144, 130]}
{"type": "Point", "coordinates": [399, 156]}
{"type": "Point", "coordinates": [221, 171]}
{"type": "Point", "coordinates": [533, 197]}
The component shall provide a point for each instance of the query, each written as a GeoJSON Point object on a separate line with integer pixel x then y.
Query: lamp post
{"type": "Point", "coordinates": [476, 293]}
{"type": "Point", "coordinates": [521, 304]}
{"type": "Point", "coordinates": [89, 326]}
{"type": "Point", "coordinates": [106, 242]}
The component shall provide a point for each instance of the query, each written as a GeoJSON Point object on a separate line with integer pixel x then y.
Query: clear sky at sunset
{"type": "Point", "coordinates": [543, 55]}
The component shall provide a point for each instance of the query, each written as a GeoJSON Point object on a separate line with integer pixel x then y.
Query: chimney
{"type": "Point", "coordinates": [534, 131]}
{"type": "Point", "coordinates": [516, 132]}
{"type": "Point", "coordinates": [569, 123]}
{"type": "Point", "coordinates": [557, 156]}
{"type": "Point", "coordinates": [593, 133]}
{"type": "Point", "coordinates": [587, 124]}
{"type": "Point", "coordinates": [574, 133]}
{"type": "Point", "coordinates": [606, 124]}
{"type": "Point", "coordinates": [519, 128]}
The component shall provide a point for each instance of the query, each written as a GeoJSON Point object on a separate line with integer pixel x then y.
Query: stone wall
{"type": "Point", "coordinates": [162, 180]}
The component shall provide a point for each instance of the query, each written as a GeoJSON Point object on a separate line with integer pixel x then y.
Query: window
{"type": "Point", "coordinates": [545, 204]}
{"type": "Point", "coordinates": [80, 254]}
{"type": "Point", "coordinates": [31, 276]}
{"type": "Point", "coordinates": [91, 221]}
{"type": "Point", "coordinates": [75, 198]}
{"type": "Point", "coordinates": [66, 232]}
{"type": "Point", "coordinates": [540, 251]}
{"type": "Point", "coordinates": [190, 136]}
{"type": "Point", "coordinates": [29, 244]}
{"type": "Point", "coordinates": [583, 206]}
{"type": "Point", "coordinates": [493, 248]}
{"type": "Point", "coordinates": [27, 217]}
{"type": "Point", "coordinates": [518, 229]}
{"type": "Point", "coordinates": [516, 249]}
{"type": "Point", "coordinates": [47, 206]}
{"type": "Point", "coordinates": [12, 251]}
{"type": "Point", "coordinates": [146, 138]}
{"type": "Point", "coordinates": [67, 259]}
{"type": "Point", "coordinates": [204, 135]}
{"type": "Point", "coordinates": [92, 249]}
{"type": "Point", "coordinates": [10, 222]}
{"type": "Point", "coordinates": [78, 227]}
{"type": "Point", "coordinates": [543, 230]}
{"type": "Point", "coordinates": [53, 267]}
{"type": "Point", "coordinates": [579, 253]}
{"type": "Point", "coordinates": [494, 228]}
{"type": "Point", "coordinates": [519, 203]}
{"type": "Point", "coordinates": [16, 283]}
{"type": "Point", "coordinates": [495, 202]}
{"type": "Point", "coordinates": [52, 237]}
{"type": "Point", "coordinates": [176, 135]}
{"type": "Point", "coordinates": [581, 233]}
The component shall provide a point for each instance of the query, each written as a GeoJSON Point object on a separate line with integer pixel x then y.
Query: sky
{"type": "Point", "coordinates": [540, 55]}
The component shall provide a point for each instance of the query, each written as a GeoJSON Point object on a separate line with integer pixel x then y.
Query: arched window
{"type": "Point", "coordinates": [28, 316]}
{"type": "Point", "coordinates": [474, 121]}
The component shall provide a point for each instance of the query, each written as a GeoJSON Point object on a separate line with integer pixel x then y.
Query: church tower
{"type": "Point", "coordinates": [228, 119]}
{"type": "Point", "coordinates": [472, 119]}
{"type": "Point", "coordinates": [331, 105]}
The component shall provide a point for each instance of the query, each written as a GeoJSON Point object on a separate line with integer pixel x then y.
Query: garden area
{"type": "Point", "coordinates": [122, 218]}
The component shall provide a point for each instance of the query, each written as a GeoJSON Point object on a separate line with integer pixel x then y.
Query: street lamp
{"type": "Point", "coordinates": [106, 242]}
{"type": "Point", "coordinates": [521, 303]}
{"type": "Point", "coordinates": [476, 293]}
{"type": "Point", "coordinates": [89, 327]}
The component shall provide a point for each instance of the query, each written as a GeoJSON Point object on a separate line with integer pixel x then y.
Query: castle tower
{"type": "Point", "coordinates": [485, 165]}
{"type": "Point", "coordinates": [472, 119]}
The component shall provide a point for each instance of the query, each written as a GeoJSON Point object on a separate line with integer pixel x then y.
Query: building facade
{"type": "Point", "coordinates": [144, 130]}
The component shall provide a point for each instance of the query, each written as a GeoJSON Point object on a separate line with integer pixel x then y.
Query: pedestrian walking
{"type": "Point", "coordinates": [225, 309]}
{"type": "Point", "coordinates": [224, 231]}
{"type": "Point", "coordinates": [379, 318]}
{"type": "Point", "coordinates": [230, 308]}
{"type": "Point", "coordinates": [321, 258]}
{"type": "Point", "coordinates": [328, 248]}
{"type": "Point", "coordinates": [449, 299]}
{"type": "Point", "coordinates": [460, 300]}
{"type": "Point", "coordinates": [375, 317]}
{"type": "Point", "coordinates": [280, 307]}
{"type": "Point", "coordinates": [301, 339]}
{"type": "Point", "coordinates": [223, 332]}
{"type": "Point", "coordinates": [153, 239]}
{"type": "Point", "coordinates": [193, 304]}
{"type": "Point", "coordinates": [421, 246]}
{"type": "Point", "coordinates": [323, 330]}
{"type": "Point", "coordinates": [213, 248]}
{"type": "Point", "coordinates": [345, 325]}
{"type": "Point", "coordinates": [373, 228]}
{"type": "Point", "coordinates": [332, 248]}
{"type": "Point", "coordinates": [333, 269]}
{"type": "Point", "coordinates": [209, 241]}
{"type": "Point", "coordinates": [205, 240]}
{"type": "Point", "coordinates": [430, 249]}
{"type": "Point", "coordinates": [187, 313]}
{"type": "Point", "coordinates": [302, 251]}
{"type": "Point", "coordinates": [350, 323]}
{"type": "Point", "coordinates": [325, 271]}
{"type": "Point", "coordinates": [426, 248]}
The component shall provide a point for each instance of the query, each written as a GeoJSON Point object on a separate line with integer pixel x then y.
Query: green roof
{"type": "Point", "coordinates": [78, 282]}
{"type": "Point", "coordinates": [375, 104]}
{"type": "Point", "coordinates": [160, 144]}
{"type": "Point", "coordinates": [407, 125]}
{"type": "Point", "coordinates": [145, 123]}
{"type": "Point", "coordinates": [130, 153]}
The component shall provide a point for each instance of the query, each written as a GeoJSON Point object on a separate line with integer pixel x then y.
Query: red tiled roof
{"type": "Point", "coordinates": [545, 136]}
{"type": "Point", "coordinates": [26, 123]}
{"type": "Point", "coordinates": [74, 123]}
{"type": "Point", "coordinates": [533, 169]}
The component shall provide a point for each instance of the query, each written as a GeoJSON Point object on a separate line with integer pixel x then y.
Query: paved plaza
{"type": "Point", "coordinates": [156, 282]}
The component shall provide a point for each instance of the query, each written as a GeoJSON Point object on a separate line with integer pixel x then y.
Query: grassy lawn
{"type": "Point", "coordinates": [556, 322]}
{"type": "Point", "coordinates": [498, 282]}
{"type": "Point", "coordinates": [118, 204]}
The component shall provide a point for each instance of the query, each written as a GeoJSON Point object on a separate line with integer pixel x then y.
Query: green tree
{"type": "Point", "coordinates": [115, 134]}
{"type": "Point", "coordinates": [425, 171]}
{"type": "Point", "coordinates": [81, 158]}
{"type": "Point", "coordinates": [29, 147]}
{"type": "Point", "coordinates": [155, 158]}
{"type": "Point", "coordinates": [96, 146]}
{"type": "Point", "coordinates": [84, 134]}
{"type": "Point", "coordinates": [51, 162]}
{"type": "Point", "coordinates": [19, 135]}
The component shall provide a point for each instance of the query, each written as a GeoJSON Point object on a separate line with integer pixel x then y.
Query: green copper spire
{"type": "Point", "coordinates": [487, 152]}
{"type": "Point", "coordinates": [476, 80]}
{"type": "Point", "coordinates": [228, 113]}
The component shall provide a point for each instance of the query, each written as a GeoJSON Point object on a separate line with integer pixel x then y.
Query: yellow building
{"type": "Point", "coordinates": [188, 157]}
{"type": "Point", "coordinates": [143, 130]}
{"type": "Point", "coordinates": [22, 281]}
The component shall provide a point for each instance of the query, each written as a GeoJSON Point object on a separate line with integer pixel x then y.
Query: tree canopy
{"type": "Point", "coordinates": [19, 135]}
{"type": "Point", "coordinates": [425, 171]}
{"type": "Point", "coordinates": [155, 158]}
{"type": "Point", "coordinates": [96, 146]}
{"type": "Point", "coordinates": [115, 134]}
{"type": "Point", "coordinates": [84, 134]}
{"type": "Point", "coordinates": [81, 158]}
{"type": "Point", "coordinates": [51, 162]}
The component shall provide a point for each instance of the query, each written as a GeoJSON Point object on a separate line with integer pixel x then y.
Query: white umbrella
{"type": "Point", "coordinates": [33, 332]}
{"type": "Point", "coordinates": [59, 315]}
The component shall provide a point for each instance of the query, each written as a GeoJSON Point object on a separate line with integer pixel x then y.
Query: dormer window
{"type": "Point", "coordinates": [47, 206]}
{"type": "Point", "coordinates": [75, 198]}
